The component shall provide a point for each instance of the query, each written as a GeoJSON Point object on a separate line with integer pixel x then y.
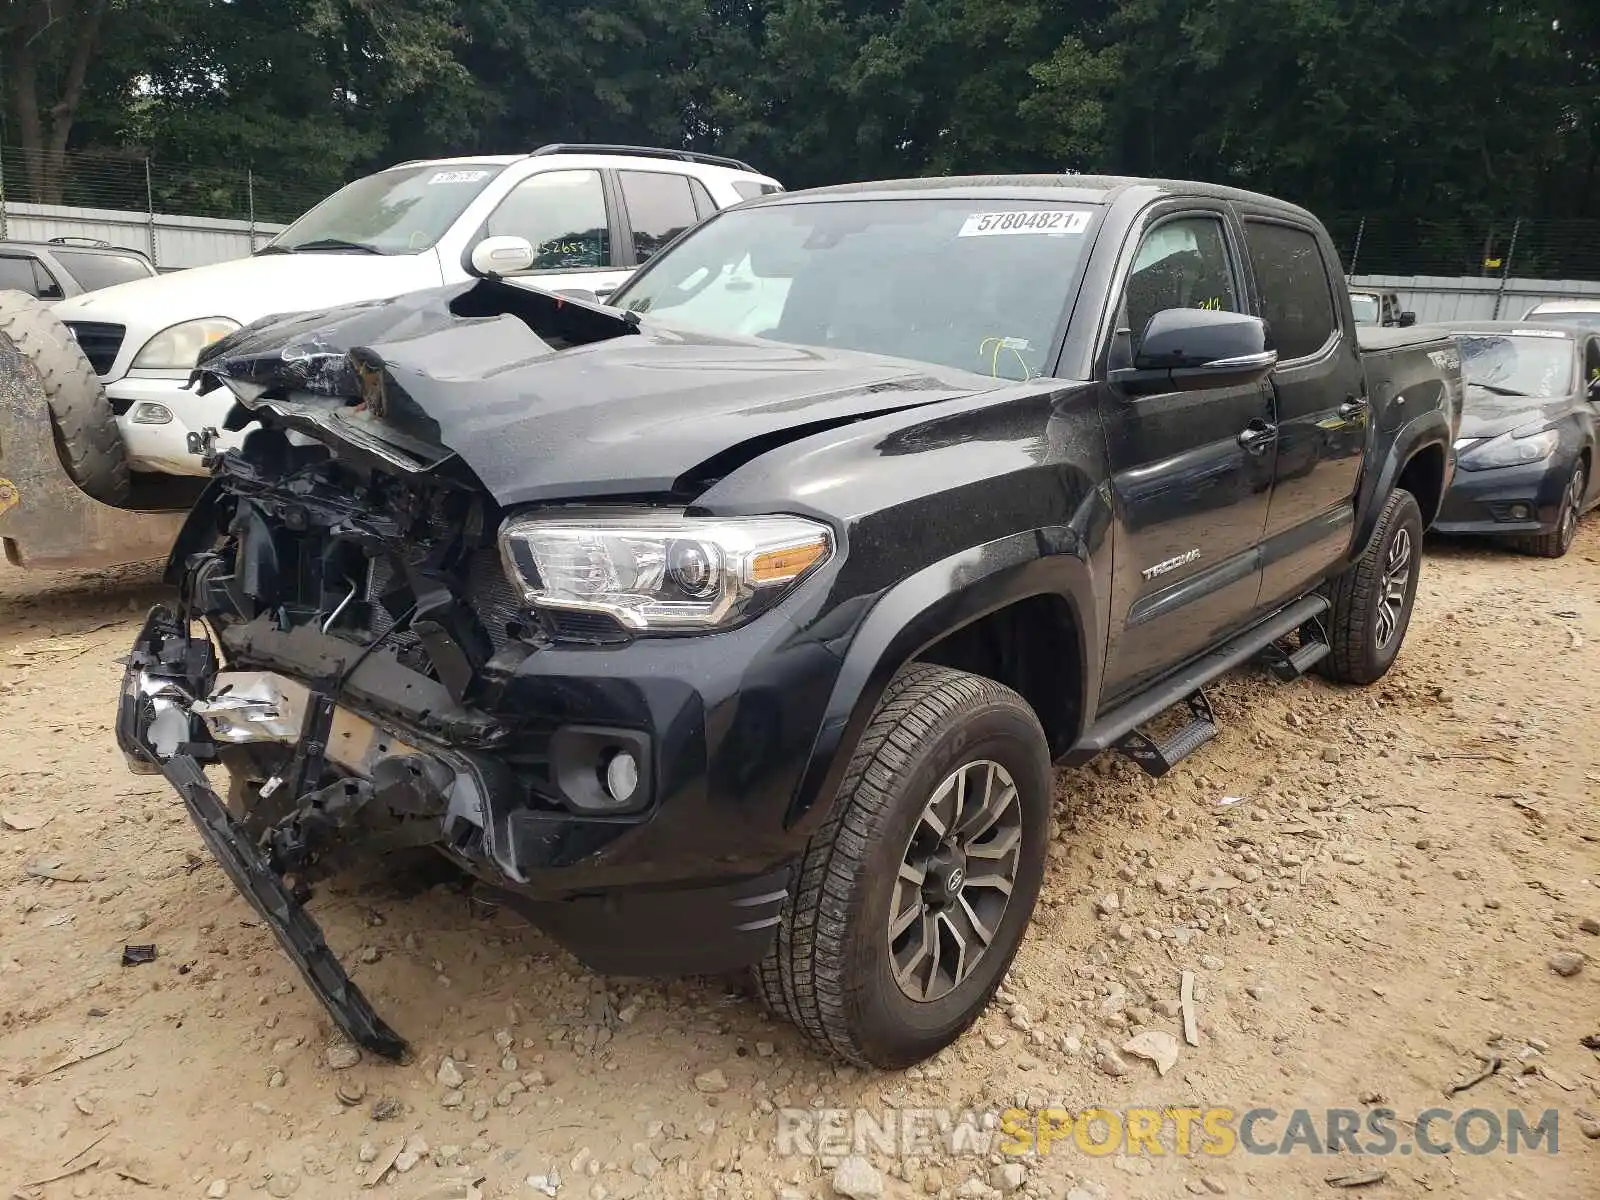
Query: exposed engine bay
{"type": "Point", "coordinates": [326, 568]}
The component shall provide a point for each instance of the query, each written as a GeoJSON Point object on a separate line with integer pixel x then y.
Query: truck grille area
{"type": "Point", "coordinates": [100, 342]}
{"type": "Point", "coordinates": [487, 591]}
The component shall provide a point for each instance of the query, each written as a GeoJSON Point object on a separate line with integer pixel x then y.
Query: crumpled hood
{"type": "Point", "coordinates": [1488, 414]}
{"type": "Point", "coordinates": [546, 397]}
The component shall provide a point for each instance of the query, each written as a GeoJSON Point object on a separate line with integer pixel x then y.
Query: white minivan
{"type": "Point", "coordinates": [564, 216]}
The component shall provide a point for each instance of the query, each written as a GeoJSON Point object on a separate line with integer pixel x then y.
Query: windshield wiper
{"type": "Point", "coordinates": [329, 243]}
{"type": "Point", "coordinates": [1501, 391]}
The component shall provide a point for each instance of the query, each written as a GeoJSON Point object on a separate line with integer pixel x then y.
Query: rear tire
{"type": "Point", "coordinates": [1558, 541]}
{"type": "Point", "coordinates": [1372, 600]}
{"type": "Point", "coordinates": [938, 751]}
{"type": "Point", "coordinates": [85, 428]}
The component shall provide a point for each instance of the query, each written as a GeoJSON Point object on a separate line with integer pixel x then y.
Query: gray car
{"type": "Point", "coordinates": [1526, 449]}
{"type": "Point", "coordinates": [64, 266]}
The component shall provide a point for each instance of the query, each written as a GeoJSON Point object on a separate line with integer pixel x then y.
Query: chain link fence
{"type": "Point", "coordinates": [135, 200]}
{"type": "Point", "coordinates": [1495, 248]}
{"type": "Point", "coordinates": [135, 183]}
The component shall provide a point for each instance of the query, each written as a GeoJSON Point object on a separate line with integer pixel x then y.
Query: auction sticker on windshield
{"type": "Point", "coordinates": [1039, 220]}
{"type": "Point", "coordinates": [457, 177]}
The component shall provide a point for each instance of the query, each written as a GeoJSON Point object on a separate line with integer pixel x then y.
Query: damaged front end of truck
{"type": "Point", "coordinates": [328, 600]}
{"type": "Point", "coordinates": [358, 660]}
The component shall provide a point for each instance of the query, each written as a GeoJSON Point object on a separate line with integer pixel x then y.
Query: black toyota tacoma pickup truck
{"type": "Point", "coordinates": [738, 625]}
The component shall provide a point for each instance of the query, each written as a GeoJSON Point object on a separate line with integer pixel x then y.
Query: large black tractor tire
{"type": "Point", "coordinates": [85, 428]}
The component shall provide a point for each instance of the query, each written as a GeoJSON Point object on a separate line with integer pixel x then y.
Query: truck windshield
{"type": "Point", "coordinates": [1518, 364]}
{"type": "Point", "coordinates": [402, 211]}
{"type": "Point", "coordinates": [1367, 309]}
{"type": "Point", "coordinates": [975, 284]}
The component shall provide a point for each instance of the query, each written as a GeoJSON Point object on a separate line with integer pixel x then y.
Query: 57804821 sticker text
{"type": "Point", "coordinates": [1039, 220]}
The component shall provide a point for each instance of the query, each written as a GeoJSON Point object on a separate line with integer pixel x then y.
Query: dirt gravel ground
{"type": "Point", "coordinates": [1372, 889]}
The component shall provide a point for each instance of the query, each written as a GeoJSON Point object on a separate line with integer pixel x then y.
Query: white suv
{"type": "Point", "coordinates": [564, 216]}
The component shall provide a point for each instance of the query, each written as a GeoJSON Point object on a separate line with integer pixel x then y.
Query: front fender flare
{"type": "Point", "coordinates": [909, 617]}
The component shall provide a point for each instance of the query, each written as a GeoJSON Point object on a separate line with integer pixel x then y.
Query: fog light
{"type": "Point", "coordinates": [148, 412]}
{"type": "Point", "coordinates": [1520, 512]}
{"type": "Point", "coordinates": [622, 776]}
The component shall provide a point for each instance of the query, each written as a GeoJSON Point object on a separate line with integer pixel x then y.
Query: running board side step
{"type": "Point", "coordinates": [1289, 665]}
{"type": "Point", "coordinates": [1157, 758]}
{"type": "Point", "coordinates": [1113, 727]}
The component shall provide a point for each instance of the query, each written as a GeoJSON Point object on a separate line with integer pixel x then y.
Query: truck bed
{"type": "Point", "coordinates": [1410, 370]}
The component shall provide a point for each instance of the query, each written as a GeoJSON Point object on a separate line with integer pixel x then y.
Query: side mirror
{"type": "Point", "coordinates": [1190, 349]}
{"type": "Point", "coordinates": [495, 257]}
{"type": "Point", "coordinates": [1407, 319]}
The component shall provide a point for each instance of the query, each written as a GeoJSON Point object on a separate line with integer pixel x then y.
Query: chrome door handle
{"type": "Point", "coordinates": [1257, 436]}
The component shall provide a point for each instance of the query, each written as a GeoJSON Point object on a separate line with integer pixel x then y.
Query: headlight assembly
{"type": "Point", "coordinates": [661, 572]}
{"type": "Point", "coordinates": [177, 347]}
{"type": "Point", "coordinates": [1510, 449]}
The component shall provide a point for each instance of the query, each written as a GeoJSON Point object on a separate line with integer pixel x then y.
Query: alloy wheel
{"type": "Point", "coordinates": [1392, 586]}
{"type": "Point", "coordinates": [955, 880]}
{"type": "Point", "coordinates": [1571, 504]}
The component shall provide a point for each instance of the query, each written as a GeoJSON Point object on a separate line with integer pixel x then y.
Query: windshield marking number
{"type": "Point", "coordinates": [1054, 220]}
{"type": "Point", "coordinates": [456, 177]}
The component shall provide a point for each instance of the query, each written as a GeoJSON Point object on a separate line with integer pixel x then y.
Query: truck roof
{"type": "Point", "coordinates": [1080, 189]}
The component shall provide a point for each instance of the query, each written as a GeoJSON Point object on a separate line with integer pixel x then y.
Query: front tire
{"type": "Point", "coordinates": [914, 896]}
{"type": "Point", "coordinates": [1372, 600]}
{"type": "Point", "coordinates": [1558, 541]}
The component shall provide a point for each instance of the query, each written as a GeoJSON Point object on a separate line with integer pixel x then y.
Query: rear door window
{"type": "Point", "coordinates": [562, 214]}
{"type": "Point", "coordinates": [1296, 293]}
{"type": "Point", "coordinates": [660, 207]}
{"type": "Point", "coordinates": [703, 202]}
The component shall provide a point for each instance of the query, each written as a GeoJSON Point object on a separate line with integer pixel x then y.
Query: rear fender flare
{"type": "Point", "coordinates": [1429, 429]}
{"type": "Point", "coordinates": [923, 608]}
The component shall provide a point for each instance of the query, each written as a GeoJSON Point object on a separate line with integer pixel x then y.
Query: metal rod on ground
{"type": "Point", "coordinates": [250, 193]}
{"type": "Point", "coordinates": [150, 212]}
{"type": "Point", "coordinates": [1355, 255]}
{"type": "Point", "coordinates": [1505, 268]}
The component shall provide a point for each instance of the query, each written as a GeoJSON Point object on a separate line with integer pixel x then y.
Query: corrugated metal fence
{"type": "Point", "coordinates": [1474, 298]}
{"type": "Point", "coordinates": [171, 241]}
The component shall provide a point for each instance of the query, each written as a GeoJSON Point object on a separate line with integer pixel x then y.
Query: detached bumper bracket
{"type": "Point", "coordinates": [296, 931]}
